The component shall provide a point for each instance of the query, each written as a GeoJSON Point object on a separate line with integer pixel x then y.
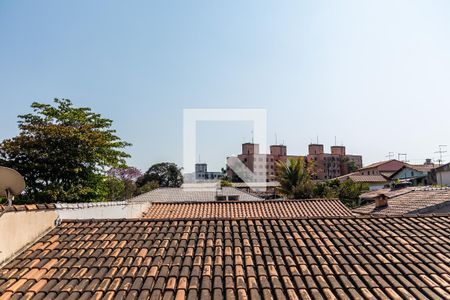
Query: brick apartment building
{"type": "Point", "coordinates": [334, 164]}
{"type": "Point", "coordinates": [326, 165]}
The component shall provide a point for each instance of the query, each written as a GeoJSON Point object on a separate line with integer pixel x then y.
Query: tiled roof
{"type": "Point", "coordinates": [26, 207]}
{"type": "Point", "coordinates": [191, 195]}
{"type": "Point", "coordinates": [356, 177]}
{"type": "Point", "coordinates": [418, 201]}
{"type": "Point", "coordinates": [377, 164]}
{"type": "Point", "coordinates": [422, 168]}
{"type": "Point", "coordinates": [387, 192]}
{"type": "Point", "coordinates": [270, 184]}
{"type": "Point", "coordinates": [318, 258]}
{"type": "Point", "coordinates": [263, 209]}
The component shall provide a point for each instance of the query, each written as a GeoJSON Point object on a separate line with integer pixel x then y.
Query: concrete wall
{"type": "Point", "coordinates": [19, 229]}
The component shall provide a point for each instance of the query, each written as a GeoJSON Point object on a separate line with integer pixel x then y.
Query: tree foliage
{"type": "Point", "coordinates": [295, 183]}
{"type": "Point", "coordinates": [164, 174]}
{"type": "Point", "coordinates": [63, 151]}
{"type": "Point", "coordinates": [295, 180]}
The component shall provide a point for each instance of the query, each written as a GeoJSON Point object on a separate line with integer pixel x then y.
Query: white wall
{"type": "Point", "coordinates": [443, 178]}
{"type": "Point", "coordinates": [20, 228]}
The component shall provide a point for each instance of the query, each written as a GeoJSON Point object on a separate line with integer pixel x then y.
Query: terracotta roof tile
{"type": "Point", "coordinates": [253, 209]}
{"type": "Point", "coordinates": [418, 201]}
{"type": "Point", "coordinates": [27, 207]}
{"type": "Point", "coordinates": [290, 258]}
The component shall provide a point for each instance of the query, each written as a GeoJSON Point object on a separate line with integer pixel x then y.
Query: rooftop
{"type": "Point", "coordinates": [254, 209]}
{"type": "Point", "coordinates": [192, 195]}
{"type": "Point", "coordinates": [356, 177]}
{"type": "Point", "coordinates": [411, 201]}
{"type": "Point", "coordinates": [318, 258]}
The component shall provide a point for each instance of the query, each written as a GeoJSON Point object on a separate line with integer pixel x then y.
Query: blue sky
{"type": "Point", "coordinates": [375, 74]}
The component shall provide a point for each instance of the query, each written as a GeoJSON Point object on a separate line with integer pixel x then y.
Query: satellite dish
{"type": "Point", "coordinates": [11, 183]}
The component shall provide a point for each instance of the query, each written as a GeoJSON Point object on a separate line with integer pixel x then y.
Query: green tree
{"type": "Point", "coordinates": [115, 189]}
{"type": "Point", "coordinates": [295, 180]}
{"type": "Point", "coordinates": [63, 152]}
{"type": "Point", "coordinates": [350, 191]}
{"type": "Point", "coordinates": [149, 186]}
{"type": "Point", "coordinates": [164, 174]}
{"type": "Point", "coordinates": [327, 189]}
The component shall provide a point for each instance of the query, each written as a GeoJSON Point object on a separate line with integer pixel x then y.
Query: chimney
{"type": "Point", "coordinates": [381, 201]}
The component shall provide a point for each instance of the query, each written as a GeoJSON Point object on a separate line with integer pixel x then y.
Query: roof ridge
{"type": "Point", "coordinates": [142, 219]}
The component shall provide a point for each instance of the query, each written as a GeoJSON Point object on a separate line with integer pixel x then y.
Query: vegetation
{"type": "Point", "coordinates": [295, 180]}
{"type": "Point", "coordinates": [63, 152]}
{"type": "Point", "coordinates": [225, 182]}
{"type": "Point", "coordinates": [121, 183]}
{"type": "Point", "coordinates": [163, 174]}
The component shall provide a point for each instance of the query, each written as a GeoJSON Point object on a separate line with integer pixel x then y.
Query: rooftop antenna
{"type": "Point", "coordinates": [11, 184]}
{"type": "Point", "coordinates": [440, 152]}
{"type": "Point", "coordinates": [390, 155]}
{"type": "Point", "coordinates": [252, 137]}
{"type": "Point", "coordinates": [276, 139]}
{"type": "Point", "coordinates": [405, 155]}
{"type": "Point", "coordinates": [317, 139]}
{"type": "Point", "coordinates": [335, 142]}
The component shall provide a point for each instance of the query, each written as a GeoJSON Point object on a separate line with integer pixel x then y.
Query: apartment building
{"type": "Point", "coordinates": [326, 165]}
{"type": "Point", "coordinates": [263, 165]}
{"type": "Point", "coordinates": [334, 164]}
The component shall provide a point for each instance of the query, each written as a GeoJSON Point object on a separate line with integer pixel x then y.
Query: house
{"type": "Point", "coordinates": [441, 175]}
{"type": "Point", "coordinates": [383, 168]}
{"type": "Point", "coordinates": [415, 174]}
{"type": "Point", "coordinates": [409, 201]}
{"type": "Point", "coordinates": [375, 182]}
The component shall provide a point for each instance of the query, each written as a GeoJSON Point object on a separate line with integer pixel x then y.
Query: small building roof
{"type": "Point", "coordinates": [270, 184]}
{"type": "Point", "coordinates": [356, 177]}
{"type": "Point", "coordinates": [193, 195]}
{"type": "Point", "coordinates": [410, 201]}
{"type": "Point", "coordinates": [252, 209]}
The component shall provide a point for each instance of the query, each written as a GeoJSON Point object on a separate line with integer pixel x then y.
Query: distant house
{"type": "Point", "coordinates": [415, 174]}
{"type": "Point", "coordinates": [383, 168]}
{"type": "Point", "coordinates": [407, 201]}
{"type": "Point", "coordinates": [441, 175]}
{"type": "Point", "coordinates": [375, 182]}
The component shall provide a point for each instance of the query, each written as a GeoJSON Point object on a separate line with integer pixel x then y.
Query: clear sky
{"type": "Point", "coordinates": [376, 74]}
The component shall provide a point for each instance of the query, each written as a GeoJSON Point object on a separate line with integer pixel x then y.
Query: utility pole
{"type": "Point", "coordinates": [390, 155]}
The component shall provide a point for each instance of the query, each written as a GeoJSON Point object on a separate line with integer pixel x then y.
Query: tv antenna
{"type": "Point", "coordinates": [11, 184]}
{"type": "Point", "coordinates": [390, 155]}
{"type": "Point", "coordinates": [440, 152]}
{"type": "Point", "coordinates": [405, 155]}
